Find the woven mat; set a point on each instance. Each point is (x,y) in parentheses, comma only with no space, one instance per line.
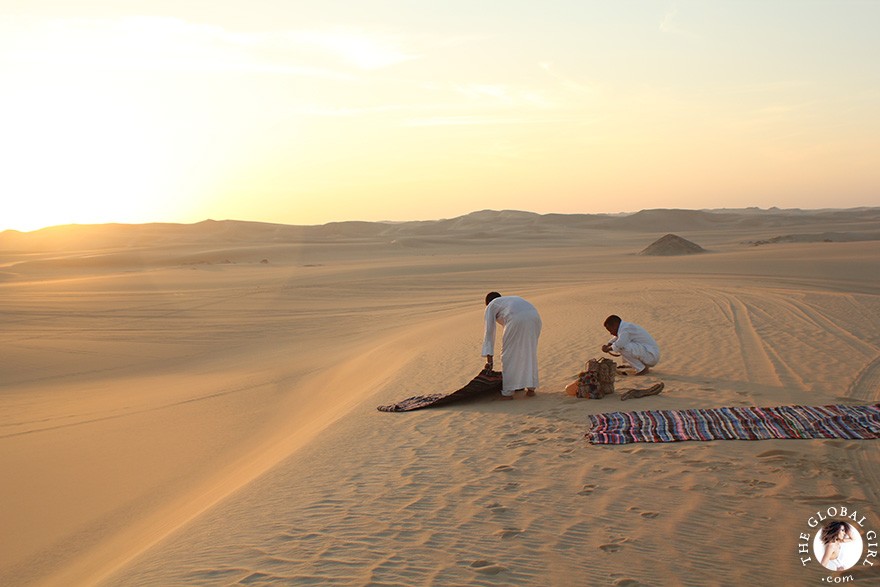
(749,423)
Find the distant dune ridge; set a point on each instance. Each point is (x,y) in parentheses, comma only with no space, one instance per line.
(672,244)
(825,237)
(848,225)
(195,404)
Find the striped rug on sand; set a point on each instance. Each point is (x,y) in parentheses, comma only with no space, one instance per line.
(749,423)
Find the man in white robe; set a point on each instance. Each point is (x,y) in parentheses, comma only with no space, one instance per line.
(632,343)
(519,343)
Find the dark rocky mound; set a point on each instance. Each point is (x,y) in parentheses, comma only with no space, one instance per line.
(670,245)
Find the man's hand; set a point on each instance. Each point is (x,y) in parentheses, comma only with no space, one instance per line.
(606,348)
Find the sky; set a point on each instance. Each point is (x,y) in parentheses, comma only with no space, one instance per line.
(307,112)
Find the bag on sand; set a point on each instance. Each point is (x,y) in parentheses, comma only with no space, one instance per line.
(597,379)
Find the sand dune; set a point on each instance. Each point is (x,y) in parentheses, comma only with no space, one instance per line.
(670,245)
(175,411)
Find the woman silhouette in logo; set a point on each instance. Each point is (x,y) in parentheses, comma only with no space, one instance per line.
(834,534)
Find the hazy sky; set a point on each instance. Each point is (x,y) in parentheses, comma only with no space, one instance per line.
(305,112)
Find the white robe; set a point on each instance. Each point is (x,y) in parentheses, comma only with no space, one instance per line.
(519,343)
(636,346)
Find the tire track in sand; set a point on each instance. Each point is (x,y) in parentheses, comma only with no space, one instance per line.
(759,365)
(822,321)
(866,387)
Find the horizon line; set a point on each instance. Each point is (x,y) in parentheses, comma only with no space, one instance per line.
(499,211)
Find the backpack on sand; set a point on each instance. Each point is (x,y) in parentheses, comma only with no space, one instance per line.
(597,379)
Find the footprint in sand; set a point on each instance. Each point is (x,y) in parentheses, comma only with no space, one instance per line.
(255,578)
(768,454)
(615,545)
(832,498)
(649,515)
(497,509)
(522,442)
(508,533)
(503,469)
(587,490)
(487,568)
(757,483)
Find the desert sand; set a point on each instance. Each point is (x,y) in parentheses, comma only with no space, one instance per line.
(196,404)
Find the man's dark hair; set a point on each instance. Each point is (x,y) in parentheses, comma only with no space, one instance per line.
(491,296)
(612,319)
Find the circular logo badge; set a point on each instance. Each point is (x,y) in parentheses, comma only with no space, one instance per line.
(837,545)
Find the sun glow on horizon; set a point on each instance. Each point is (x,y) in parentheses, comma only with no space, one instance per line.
(317,115)
(94,134)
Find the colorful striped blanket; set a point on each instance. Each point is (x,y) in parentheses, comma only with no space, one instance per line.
(750,423)
(486,383)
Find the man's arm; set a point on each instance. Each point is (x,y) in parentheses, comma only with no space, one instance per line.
(608,346)
(624,337)
(489,338)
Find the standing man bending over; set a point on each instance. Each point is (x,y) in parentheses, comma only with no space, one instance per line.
(633,343)
(519,343)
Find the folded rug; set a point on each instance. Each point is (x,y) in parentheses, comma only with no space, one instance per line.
(486,383)
(750,423)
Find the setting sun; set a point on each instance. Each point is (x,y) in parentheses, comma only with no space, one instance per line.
(87,145)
